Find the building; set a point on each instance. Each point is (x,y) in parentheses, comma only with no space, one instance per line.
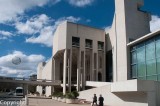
(123,62)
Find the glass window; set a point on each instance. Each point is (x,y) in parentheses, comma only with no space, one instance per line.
(75,41)
(134,57)
(158,65)
(134,71)
(100,45)
(158,77)
(154,77)
(158,48)
(141,54)
(151,67)
(88,43)
(141,69)
(150,49)
(142,78)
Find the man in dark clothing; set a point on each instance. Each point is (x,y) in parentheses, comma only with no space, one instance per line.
(94,100)
(101,99)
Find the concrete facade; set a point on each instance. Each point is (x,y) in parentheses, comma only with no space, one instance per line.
(83,56)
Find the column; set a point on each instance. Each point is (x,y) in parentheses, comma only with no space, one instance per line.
(25,88)
(70,70)
(64,71)
(92,64)
(78,70)
(97,67)
(104,66)
(83,71)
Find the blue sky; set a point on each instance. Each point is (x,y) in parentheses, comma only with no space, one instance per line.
(27,28)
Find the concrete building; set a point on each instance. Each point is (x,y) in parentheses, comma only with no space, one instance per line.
(123,63)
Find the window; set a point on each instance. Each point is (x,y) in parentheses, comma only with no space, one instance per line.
(100,45)
(75,41)
(145,59)
(88,43)
(150,49)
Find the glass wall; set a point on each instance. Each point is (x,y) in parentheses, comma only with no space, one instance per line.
(145,60)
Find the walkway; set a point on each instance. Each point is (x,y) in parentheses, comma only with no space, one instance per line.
(50,102)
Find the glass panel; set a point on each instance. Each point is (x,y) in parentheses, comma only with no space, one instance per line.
(151,67)
(158,65)
(142,78)
(75,41)
(133,48)
(141,69)
(134,57)
(154,77)
(150,50)
(100,45)
(88,43)
(158,77)
(141,54)
(158,48)
(134,71)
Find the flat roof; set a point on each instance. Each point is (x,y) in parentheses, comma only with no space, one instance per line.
(85,25)
(145,37)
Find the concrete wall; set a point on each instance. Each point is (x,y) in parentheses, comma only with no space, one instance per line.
(47,74)
(59,38)
(127,93)
(116,99)
(128,24)
(39,75)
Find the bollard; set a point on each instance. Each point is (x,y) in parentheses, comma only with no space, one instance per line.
(26,100)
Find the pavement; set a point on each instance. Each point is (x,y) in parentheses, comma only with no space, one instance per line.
(50,102)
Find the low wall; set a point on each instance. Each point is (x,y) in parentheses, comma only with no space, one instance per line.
(135,98)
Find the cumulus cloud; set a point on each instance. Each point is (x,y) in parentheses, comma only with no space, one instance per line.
(44,29)
(155,23)
(25,68)
(5,34)
(11,9)
(33,25)
(80,3)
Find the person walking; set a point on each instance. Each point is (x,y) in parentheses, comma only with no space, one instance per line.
(94,100)
(101,99)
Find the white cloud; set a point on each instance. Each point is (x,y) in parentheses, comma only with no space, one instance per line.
(33,25)
(155,23)
(11,9)
(28,64)
(45,37)
(47,31)
(5,34)
(81,3)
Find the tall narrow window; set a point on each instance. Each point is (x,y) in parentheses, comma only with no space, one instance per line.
(100,45)
(75,41)
(88,43)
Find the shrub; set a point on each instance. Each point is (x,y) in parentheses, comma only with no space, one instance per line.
(69,96)
(75,94)
(72,95)
(60,94)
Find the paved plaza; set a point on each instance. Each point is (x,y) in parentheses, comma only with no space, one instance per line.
(50,102)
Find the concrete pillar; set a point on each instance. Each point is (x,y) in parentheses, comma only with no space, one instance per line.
(93,70)
(83,71)
(70,70)
(26,100)
(78,70)
(64,71)
(97,63)
(25,89)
